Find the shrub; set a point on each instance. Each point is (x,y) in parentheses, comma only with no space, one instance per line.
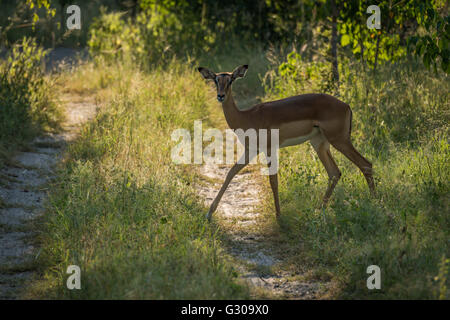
(156,35)
(296,76)
(111,36)
(26,104)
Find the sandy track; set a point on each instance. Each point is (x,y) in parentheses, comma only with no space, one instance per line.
(23,193)
(258,261)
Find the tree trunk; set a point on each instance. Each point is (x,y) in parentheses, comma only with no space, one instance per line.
(203,22)
(361,45)
(134,9)
(334,39)
(261,32)
(376,52)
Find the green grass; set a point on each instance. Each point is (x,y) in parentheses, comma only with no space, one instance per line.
(401,118)
(121,210)
(28,106)
(132,221)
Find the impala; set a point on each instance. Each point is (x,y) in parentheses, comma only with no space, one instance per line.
(319,118)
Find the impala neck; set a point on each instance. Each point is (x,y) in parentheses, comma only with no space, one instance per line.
(235,118)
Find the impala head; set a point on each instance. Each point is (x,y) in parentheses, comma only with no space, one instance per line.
(223,80)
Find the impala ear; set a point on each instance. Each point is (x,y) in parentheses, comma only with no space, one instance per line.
(206,73)
(240,71)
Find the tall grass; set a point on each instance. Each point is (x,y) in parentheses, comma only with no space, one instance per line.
(27,104)
(400,123)
(121,210)
(131,220)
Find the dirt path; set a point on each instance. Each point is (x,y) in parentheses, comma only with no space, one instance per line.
(257,257)
(22,197)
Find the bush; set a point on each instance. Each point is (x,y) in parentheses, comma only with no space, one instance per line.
(145,41)
(111,37)
(25,96)
(295,76)
(155,36)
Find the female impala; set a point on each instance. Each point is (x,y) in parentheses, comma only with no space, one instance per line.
(319,118)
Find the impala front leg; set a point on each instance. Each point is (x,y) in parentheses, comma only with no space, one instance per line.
(233,171)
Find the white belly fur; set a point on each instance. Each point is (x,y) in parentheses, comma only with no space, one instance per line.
(300,139)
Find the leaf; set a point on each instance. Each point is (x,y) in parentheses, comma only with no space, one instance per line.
(345,40)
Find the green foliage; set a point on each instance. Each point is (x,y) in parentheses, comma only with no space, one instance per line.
(25,98)
(150,38)
(363,44)
(443,292)
(122,211)
(400,123)
(132,220)
(403,104)
(377,45)
(434,46)
(111,37)
(387,111)
(46,21)
(295,76)
(38,4)
(21,14)
(404,231)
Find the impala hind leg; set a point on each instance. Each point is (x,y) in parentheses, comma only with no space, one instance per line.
(322,147)
(274,185)
(273,179)
(347,148)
